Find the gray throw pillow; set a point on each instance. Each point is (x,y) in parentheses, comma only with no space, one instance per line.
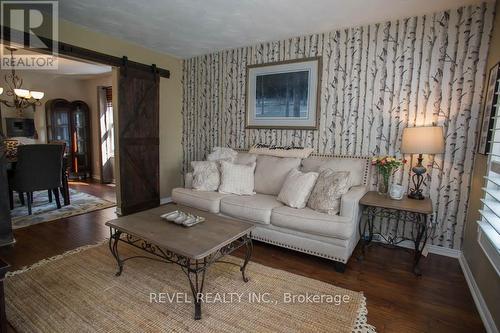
(329,188)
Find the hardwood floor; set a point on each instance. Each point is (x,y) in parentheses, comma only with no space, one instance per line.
(398,301)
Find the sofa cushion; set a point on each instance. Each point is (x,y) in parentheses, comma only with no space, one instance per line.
(204,200)
(271,172)
(245,158)
(312,222)
(255,208)
(356,166)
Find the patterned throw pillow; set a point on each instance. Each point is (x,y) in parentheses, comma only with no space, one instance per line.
(290,151)
(297,188)
(205,176)
(237,178)
(329,188)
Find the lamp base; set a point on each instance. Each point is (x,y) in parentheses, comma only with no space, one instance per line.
(418,180)
(416,195)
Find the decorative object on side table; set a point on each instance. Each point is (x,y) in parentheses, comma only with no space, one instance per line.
(406,213)
(397,191)
(386,166)
(284,94)
(421,140)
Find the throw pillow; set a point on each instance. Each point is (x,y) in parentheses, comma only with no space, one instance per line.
(245,158)
(271,172)
(205,176)
(237,178)
(329,188)
(288,151)
(297,188)
(222,154)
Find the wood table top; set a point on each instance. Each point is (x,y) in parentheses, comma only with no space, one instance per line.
(374,199)
(196,242)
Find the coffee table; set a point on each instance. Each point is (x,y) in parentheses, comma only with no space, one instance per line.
(194,249)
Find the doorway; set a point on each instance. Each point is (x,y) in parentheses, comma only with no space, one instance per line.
(135,123)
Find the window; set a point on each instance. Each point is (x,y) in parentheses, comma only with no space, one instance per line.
(489,225)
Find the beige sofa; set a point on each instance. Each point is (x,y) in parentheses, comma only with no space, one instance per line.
(305,230)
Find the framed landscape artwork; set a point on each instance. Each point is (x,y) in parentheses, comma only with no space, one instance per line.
(489,111)
(284,94)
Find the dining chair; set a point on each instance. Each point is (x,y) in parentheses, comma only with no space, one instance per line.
(64,189)
(39,167)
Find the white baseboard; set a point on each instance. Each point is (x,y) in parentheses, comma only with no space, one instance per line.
(165,200)
(481,306)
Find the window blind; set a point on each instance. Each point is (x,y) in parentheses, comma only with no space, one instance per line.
(489,224)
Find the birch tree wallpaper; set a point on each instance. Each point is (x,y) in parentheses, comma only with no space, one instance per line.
(376,80)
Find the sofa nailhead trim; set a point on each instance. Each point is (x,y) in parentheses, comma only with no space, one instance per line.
(298,249)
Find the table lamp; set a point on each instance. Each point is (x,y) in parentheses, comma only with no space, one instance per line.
(421,140)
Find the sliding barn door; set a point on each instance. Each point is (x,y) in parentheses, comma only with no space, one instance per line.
(138,141)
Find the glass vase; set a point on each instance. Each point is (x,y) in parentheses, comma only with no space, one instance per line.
(383,182)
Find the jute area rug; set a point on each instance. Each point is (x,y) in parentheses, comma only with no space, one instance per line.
(79,292)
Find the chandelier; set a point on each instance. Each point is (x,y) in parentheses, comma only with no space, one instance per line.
(20,98)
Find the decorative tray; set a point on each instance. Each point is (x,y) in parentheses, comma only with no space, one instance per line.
(182,218)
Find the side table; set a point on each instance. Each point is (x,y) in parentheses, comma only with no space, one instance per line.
(411,216)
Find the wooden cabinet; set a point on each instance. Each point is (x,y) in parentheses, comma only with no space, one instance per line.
(70,122)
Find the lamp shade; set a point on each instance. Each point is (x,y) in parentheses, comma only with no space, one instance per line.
(423,140)
(37,94)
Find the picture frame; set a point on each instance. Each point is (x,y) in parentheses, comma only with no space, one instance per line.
(489,110)
(284,95)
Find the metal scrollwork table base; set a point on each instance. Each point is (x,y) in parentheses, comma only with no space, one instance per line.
(412,217)
(173,244)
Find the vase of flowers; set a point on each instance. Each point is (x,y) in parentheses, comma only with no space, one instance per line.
(386,167)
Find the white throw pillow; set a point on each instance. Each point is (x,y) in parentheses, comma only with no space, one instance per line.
(237,178)
(297,188)
(222,154)
(330,187)
(205,176)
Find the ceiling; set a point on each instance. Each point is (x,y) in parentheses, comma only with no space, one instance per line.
(185,28)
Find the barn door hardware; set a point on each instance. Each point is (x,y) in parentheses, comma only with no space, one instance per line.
(124,65)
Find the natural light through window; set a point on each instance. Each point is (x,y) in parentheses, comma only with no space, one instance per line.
(489,225)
